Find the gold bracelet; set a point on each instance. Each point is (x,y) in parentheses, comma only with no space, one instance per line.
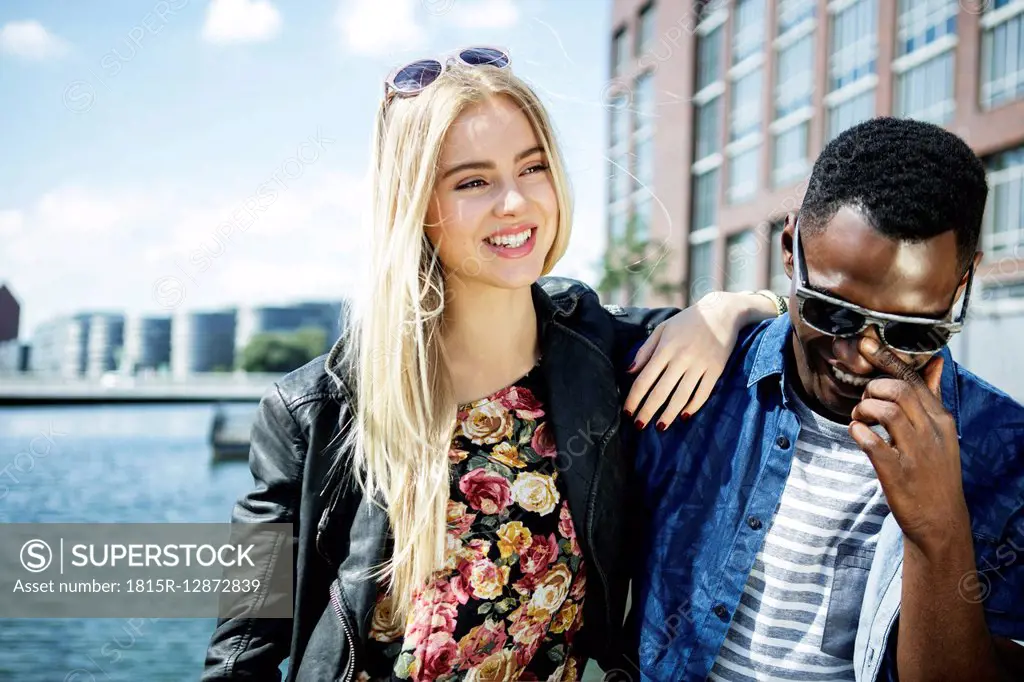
(781,307)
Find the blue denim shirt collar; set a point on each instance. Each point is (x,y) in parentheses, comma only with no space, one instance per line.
(770,359)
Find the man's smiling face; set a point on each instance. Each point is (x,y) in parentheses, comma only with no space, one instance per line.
(849,259)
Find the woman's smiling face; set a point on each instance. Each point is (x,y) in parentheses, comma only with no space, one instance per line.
(494,211)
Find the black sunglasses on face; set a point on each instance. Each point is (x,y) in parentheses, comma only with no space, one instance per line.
(903,333)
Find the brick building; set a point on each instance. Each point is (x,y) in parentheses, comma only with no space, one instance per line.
(717,109)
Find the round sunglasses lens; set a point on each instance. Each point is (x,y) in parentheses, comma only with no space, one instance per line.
(915,338)
(418,75)
(831,319)
(484,56)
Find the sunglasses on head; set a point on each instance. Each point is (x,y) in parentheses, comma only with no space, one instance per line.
(412,78)
(903,333)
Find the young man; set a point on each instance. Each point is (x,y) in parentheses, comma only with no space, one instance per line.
(849,504)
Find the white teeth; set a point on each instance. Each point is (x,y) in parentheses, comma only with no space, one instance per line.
(511,240)
(860,382)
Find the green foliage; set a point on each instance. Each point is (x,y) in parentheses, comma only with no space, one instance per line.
(634,265)
(282,351)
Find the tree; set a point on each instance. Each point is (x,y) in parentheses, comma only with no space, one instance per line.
(634,265)
(282,351)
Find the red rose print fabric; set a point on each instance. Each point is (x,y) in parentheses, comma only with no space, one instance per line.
(510,598)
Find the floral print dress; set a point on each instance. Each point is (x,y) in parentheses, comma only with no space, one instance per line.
(509,600)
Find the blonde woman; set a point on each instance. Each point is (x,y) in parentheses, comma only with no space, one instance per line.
(453,470)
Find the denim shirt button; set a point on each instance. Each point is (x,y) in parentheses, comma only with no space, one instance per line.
(721,612)
(754,522)
(782,442)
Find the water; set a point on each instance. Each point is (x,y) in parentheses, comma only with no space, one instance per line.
(140,464)
(145,463)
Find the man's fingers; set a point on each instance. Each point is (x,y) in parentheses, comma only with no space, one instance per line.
(646,350)
(901,393)
(884,457)
(932,374)
(888,414)
(885,360)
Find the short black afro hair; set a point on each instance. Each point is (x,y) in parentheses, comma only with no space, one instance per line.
(911,180)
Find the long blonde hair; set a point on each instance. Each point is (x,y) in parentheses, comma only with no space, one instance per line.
(405,411)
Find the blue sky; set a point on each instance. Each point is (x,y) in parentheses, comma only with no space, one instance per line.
(135,134)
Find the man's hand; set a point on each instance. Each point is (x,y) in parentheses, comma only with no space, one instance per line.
(920,470)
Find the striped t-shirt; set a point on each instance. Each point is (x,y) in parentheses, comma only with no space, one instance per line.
(798,614)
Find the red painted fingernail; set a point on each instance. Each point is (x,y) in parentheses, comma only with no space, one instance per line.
(662,426)
(686,415)
(631,367)
(638,424)
(629,413)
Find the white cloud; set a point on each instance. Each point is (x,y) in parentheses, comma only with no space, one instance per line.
(484,14)
(241,21)
(11,223)
(377,27)
(77,209)
(30,40)
(110,248)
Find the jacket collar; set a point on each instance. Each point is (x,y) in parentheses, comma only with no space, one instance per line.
(770,361)
(552,297)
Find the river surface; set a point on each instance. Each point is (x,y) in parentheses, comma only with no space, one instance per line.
(145,463)
(111,464)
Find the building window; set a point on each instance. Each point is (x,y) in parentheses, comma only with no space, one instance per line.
(853,48)
(709,58)
(923,22)
(778,281)
(705,200)
(791,13)
(741,261)
(854,43)
(619,120)
(925,91)
(645,29)
(925,41)
(619,180)
(643,101)
(743,168)
(709,129)
(790,154)
(745,136)
(794,91)
(642,215)
(617,224)
(619,51)
(850,112)
(701,269)
(748,29)
(643,132)
(1003,226)
(1002,53)
(794,82)
(745,117)
(644,160)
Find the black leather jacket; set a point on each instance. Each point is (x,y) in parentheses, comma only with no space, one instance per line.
(339,535)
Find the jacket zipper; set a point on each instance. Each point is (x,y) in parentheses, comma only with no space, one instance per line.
(350,665)
(590,535)
(593,491)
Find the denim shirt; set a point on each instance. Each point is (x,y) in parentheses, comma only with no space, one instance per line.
(712,485)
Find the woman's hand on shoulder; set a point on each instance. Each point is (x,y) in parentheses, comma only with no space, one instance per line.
(684,356)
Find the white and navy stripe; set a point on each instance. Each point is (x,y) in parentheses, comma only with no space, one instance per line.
(832,497)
